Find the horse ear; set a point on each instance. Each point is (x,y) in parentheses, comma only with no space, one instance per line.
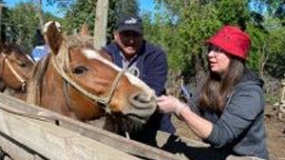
(53,36)
(1,46)
(84,30)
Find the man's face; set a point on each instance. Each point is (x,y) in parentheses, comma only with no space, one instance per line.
(130,42)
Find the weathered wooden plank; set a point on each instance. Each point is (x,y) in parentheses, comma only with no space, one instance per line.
(115,141)
(54,142)
(16,150)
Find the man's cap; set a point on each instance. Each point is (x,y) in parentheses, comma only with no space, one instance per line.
(130,23)
(233,40)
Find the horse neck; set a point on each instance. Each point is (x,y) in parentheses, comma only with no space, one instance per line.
(1,66)
(48,86)
(2,86)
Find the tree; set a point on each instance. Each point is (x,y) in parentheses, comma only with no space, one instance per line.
(40,13)
(1,10)
(21,27)
(101,21)
(190,23)
(84,11)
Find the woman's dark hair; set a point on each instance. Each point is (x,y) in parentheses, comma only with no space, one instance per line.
(39,38)
(214,92)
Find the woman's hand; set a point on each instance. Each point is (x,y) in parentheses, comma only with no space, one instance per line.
(170,104)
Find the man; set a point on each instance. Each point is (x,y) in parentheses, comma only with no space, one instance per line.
(146,61)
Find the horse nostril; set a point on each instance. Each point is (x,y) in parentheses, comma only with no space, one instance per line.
(141,100)
(142,97)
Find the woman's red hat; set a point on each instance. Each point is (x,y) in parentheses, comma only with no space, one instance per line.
(233,40)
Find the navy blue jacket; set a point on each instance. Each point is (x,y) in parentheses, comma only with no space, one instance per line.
(240,130)
(151,61)
(152,64)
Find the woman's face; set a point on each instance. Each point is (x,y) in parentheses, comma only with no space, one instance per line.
(218,59)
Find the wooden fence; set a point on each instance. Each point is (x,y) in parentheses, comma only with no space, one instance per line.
(28,132)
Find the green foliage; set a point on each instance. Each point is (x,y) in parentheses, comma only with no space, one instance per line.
(21,22)
(179,27)
(195,21)
(79,13)
(84,12)
(258,46)
(276,63)
(19,26)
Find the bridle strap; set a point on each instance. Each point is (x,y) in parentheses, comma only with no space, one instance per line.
(15,73)
(1,67)
(101,100)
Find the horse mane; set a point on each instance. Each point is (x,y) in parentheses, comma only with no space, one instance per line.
(10,47)
(38,72)
(79,40)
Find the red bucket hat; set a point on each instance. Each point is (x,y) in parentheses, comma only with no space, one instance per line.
(233,40)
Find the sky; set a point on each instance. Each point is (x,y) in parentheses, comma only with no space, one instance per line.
(145,5)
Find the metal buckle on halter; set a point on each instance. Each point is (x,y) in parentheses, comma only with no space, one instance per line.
(104,104)
(24,84)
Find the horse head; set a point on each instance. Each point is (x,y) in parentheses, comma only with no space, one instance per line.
(15,66)
(94,83)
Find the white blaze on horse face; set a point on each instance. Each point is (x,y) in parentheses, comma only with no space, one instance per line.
(91,54)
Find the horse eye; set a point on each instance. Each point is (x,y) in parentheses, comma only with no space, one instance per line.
(80,70)
(22,64)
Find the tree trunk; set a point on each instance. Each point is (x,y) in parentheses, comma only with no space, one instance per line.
(1,6)
(101,19)
(263,59)
(40,14)
(199,71)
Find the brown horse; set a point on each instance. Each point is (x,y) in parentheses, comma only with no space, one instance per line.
(15,67)
(75,80)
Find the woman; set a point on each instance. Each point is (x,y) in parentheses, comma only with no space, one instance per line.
(228,111)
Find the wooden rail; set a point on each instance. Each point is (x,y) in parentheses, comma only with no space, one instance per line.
(25,115)
(49,141)
(48,135)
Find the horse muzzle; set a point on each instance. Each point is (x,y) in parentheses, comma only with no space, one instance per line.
(141,107)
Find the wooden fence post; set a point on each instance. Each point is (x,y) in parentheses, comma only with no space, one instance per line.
(101,20)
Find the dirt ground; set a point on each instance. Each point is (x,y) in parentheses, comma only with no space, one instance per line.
(275,133)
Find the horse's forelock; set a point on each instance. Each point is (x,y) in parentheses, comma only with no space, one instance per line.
(79,41)
(16,48)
